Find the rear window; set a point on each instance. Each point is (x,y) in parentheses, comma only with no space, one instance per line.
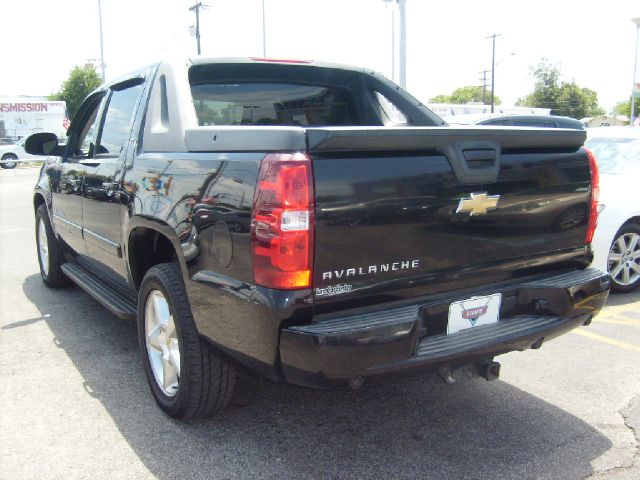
(531,123)
(286,104)
(501,123)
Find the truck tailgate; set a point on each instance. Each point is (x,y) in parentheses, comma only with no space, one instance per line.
(396,218)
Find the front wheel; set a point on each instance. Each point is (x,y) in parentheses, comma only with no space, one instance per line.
(9,161)
(624,259)
(186,378)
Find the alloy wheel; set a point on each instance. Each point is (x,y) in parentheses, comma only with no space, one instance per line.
(9,161)
(43,247)
(162,343)
(624,259)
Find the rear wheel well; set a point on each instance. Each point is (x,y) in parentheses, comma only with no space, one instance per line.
(147,248)
(635,220)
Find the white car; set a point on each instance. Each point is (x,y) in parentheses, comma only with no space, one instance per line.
(10,154)
(616,241)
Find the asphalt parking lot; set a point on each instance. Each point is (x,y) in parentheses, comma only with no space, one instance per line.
(74,403)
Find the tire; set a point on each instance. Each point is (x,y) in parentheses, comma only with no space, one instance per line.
(9,161)
(50,253)
(197,382)
(624,259)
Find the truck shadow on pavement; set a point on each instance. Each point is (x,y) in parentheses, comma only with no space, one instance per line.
(419,429)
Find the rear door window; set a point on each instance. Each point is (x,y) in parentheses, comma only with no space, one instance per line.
(285,104)
(118,120)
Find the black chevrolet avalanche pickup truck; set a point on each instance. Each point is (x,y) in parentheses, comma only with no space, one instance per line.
(312,224)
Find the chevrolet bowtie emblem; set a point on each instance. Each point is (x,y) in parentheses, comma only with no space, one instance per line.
(478,204)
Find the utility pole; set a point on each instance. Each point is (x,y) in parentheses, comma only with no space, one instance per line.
(393,45)
(402,9)
(484,86)
(264,33)
(196,8)
(102,64)
(493,69)
(392,5)
(402,4)
(571,102)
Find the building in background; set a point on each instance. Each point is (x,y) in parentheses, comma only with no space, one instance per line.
(448,109)
(606,121)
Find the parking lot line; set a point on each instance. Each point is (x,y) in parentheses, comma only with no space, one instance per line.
(618,318)
(618,321)
(610,341)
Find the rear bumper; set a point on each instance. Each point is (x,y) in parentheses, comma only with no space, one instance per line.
(386,345)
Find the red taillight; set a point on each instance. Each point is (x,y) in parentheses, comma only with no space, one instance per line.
(282,222)
(595,196)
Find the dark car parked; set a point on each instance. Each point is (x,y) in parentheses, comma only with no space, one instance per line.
(515,120)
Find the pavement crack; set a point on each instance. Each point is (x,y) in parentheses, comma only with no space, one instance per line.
(631,419)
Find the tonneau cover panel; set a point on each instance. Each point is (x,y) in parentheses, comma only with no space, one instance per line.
(389,222)
(419,138)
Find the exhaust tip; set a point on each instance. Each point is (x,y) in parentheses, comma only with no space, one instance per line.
(489,370)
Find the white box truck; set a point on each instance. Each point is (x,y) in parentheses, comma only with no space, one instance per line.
(22,116)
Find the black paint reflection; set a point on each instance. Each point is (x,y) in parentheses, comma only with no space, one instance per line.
(371,208)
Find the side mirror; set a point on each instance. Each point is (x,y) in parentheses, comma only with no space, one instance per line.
(43,144)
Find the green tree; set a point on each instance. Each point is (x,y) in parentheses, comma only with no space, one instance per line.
(468,94)
(546,91)
(440,99)
(563,98)
(624,108)
(81,82)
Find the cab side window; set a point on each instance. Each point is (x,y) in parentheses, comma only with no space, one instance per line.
(85,129)
(118,120)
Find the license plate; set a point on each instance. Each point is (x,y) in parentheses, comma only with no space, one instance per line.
(473,312)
